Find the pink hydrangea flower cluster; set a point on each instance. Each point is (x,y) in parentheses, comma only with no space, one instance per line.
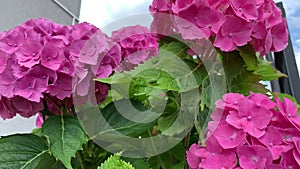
(137,43)
(40,61)
(229,23)
(250,132)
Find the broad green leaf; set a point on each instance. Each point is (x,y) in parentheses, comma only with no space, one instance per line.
(65,136)
(233,64)
(248,54)
(126,117)
(137,162)
(174,46)
(178,166)
(167,70)
(267,71)
(177,154)
(114,162)
(247,82)
(213,88)
(164,123)
(24,152)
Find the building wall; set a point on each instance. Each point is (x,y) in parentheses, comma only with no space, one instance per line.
(15,12)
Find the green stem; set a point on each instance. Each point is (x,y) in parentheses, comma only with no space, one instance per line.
(80,160)
(186,144)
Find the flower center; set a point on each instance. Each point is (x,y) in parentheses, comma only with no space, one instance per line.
(249,118)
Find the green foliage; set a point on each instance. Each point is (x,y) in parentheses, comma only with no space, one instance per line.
(91,156)
(267,72)
(138,162)
(115,122)
(246,82)
(25,152)
(65,136)
(171,159)
(114,162)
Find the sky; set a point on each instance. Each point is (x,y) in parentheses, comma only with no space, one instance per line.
(102,13)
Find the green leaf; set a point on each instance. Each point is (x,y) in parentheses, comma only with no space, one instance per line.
(170,159)
(65,136)
(247,82)
(267,71)
(175,47)
(114,162)
(24,152)
(213,88)
(137,163)
(248,54)
(233,64)
(164,123)
(115,122)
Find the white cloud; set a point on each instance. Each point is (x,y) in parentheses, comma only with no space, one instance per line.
(102,12)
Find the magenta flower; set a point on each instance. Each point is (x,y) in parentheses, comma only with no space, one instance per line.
(31,88)
(245,9)
(226,159)
(12,40)
(251,118)
(220,5)
(92,48)
(279,35)
(228,136)
(259,31)
(289,110)
(160,5)
(7,82)
(61,87)
(288,160)
(197,20)
(137,43)
(5,110)
(52,56)
(296,151)
(3,58)
(29,53)
(39,120)
(288,134)
(262,100)
(273,141)
(233,33)
(26,108)
(192,159)
(254,157)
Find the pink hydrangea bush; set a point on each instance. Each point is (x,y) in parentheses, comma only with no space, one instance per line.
(44,63)
(228,23)
(250,132)
(39,60)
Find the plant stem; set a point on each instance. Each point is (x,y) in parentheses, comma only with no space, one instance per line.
(186,144)
(80,160)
